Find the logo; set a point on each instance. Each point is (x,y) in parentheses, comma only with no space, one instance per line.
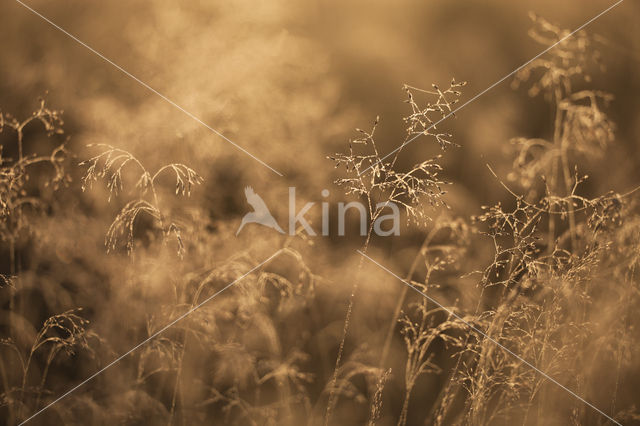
(260,213)
(383,224)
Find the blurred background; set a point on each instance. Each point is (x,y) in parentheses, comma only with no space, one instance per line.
(290,81)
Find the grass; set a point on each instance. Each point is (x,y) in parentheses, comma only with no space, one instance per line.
(550,272)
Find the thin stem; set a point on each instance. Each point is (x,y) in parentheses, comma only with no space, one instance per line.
(401,298)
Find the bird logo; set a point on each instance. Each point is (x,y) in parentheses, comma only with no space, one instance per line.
(260,213)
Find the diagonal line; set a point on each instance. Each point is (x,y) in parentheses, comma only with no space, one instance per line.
(581,27)
(127,73)
(163,329)
(491,339)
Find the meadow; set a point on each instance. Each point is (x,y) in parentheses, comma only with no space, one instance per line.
(509,295)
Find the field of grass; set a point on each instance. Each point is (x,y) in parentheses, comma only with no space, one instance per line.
(510,296)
